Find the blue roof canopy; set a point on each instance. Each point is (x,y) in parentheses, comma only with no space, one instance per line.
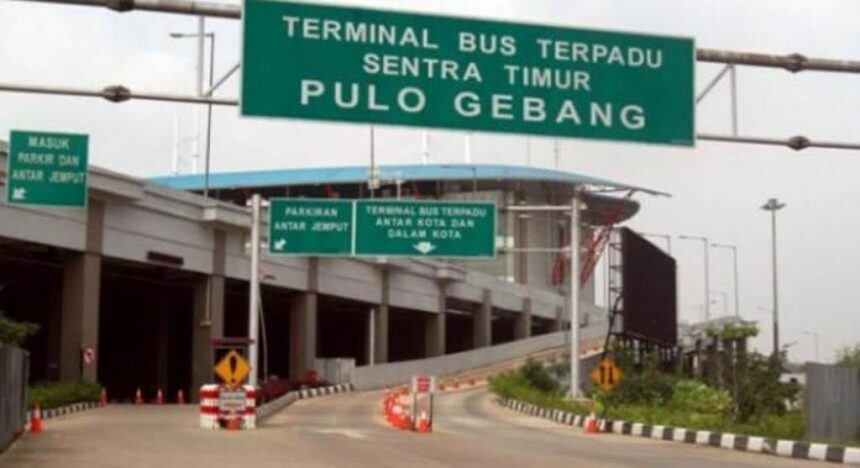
(359,174)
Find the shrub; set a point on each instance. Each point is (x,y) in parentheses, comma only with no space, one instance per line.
(56,394)
(695,396)
(539,377)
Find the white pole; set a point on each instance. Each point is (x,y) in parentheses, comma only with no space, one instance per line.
(201,30)
(467,156)
(574,295)
(254,290)
(425,147)
(174,163)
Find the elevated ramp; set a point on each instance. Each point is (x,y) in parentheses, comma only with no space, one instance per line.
(381,375)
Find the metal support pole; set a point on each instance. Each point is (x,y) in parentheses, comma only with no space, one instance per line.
(707,273)
(201,39)
(574,295)
(737,293)
(734,90)
(209,118)
(775,293)
(254,289)
(773,205)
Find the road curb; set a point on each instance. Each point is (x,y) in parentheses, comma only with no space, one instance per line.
(725,440)
(64,410)
(272,407)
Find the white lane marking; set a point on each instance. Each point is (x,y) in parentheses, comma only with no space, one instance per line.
(351,433)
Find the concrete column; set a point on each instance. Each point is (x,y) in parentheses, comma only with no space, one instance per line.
(482,322)
(208,321)
(303,325)
(80,302)
(161,316)
(435,330)
(558,324)
(380,323)
(523,325)
(303,339)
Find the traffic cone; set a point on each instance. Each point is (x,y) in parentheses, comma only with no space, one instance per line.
(591,424)
(36,425)
(103,400)
(424,425)
(180,397)
(159,398)
(138,397)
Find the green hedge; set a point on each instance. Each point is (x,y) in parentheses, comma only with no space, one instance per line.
(54,395)
(689,404)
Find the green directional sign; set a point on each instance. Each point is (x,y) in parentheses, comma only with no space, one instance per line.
(425,229)
(310,227)
(47,169)
(346,64)
(316,227)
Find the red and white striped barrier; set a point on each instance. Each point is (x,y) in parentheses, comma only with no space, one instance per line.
(209,395)
(249,419)
(210,408)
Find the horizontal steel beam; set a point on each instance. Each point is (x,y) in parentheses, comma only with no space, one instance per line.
(116,93)
(120,93)
(181,7)
(791,62)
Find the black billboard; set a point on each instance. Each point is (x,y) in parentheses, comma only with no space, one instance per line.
(650,311)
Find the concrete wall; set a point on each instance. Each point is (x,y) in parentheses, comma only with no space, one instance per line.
(369,377)
(832,402)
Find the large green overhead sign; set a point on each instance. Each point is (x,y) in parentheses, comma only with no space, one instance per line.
(382,228)
(358,65)
(47,169)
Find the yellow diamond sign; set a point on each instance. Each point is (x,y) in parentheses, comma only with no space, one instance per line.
(606,375)
(232,368)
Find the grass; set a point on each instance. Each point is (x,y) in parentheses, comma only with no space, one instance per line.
(57,394)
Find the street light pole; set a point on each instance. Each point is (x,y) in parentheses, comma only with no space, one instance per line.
(707,274)
(574,295)
(773,205)
(734,250)
(201,35)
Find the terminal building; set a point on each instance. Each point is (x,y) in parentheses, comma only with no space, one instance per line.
(151,271)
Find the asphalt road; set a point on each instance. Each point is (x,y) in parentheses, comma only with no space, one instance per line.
(348,430)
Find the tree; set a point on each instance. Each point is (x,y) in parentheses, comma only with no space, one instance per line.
(849,356)
(13,332)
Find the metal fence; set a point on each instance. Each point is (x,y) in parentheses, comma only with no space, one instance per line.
(14,370)
(832,402)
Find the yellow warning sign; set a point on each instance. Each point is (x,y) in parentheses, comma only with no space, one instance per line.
(232,368)
(606,375)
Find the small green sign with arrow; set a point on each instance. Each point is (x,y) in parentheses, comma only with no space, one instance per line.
(48,169)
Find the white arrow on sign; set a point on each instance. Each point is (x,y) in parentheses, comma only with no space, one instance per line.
(280,244)
(424,247)
(19,193)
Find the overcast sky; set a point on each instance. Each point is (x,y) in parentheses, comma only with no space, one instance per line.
(717,188)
